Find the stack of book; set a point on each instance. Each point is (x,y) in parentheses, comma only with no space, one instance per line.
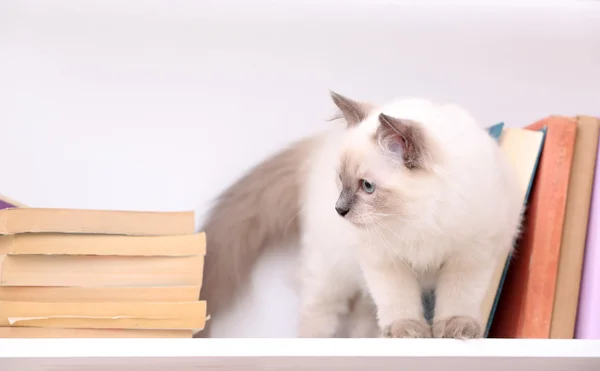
(549,287)
(99,273)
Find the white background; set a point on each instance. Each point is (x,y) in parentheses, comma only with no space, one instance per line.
(159,105)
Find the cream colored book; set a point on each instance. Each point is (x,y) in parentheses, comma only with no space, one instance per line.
(83,333)
(110,315)
(38,220)
(99,271)
(96,244)
(99,294)
(522,148)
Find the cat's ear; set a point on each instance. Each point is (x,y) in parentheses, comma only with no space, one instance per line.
(403,138)
(353,111)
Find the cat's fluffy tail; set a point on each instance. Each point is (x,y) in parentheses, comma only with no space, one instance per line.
(259,211)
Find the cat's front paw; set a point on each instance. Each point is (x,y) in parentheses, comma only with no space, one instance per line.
(407,328)
(458,327)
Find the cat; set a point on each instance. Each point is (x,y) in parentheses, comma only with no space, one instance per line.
(394,201)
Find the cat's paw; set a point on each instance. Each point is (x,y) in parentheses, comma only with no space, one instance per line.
(407,328)
(459,327)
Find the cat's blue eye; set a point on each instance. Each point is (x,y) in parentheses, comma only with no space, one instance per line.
(367,186)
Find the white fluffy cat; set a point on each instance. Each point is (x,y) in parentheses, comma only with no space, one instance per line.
(400,199)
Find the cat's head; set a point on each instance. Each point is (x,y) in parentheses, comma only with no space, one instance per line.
(386,165)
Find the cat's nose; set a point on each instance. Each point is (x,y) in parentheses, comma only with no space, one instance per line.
(342,210)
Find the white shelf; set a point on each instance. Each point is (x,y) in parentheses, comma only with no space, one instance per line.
(298,354)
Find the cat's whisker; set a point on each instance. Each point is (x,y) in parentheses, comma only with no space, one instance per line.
(379,234)
(388,228)
(387,214)
(389,247)
(392,246)
(390,216)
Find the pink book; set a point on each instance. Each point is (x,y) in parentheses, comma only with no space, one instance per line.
(588,312)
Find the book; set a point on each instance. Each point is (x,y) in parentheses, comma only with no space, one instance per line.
(94,294)
(522,148)
(496,130)
(588,311)
(7,203)
(572,247)
(100,244)
(111,315)
(39,220)
(95,271)
(526,301)
(79,333)
(100,273)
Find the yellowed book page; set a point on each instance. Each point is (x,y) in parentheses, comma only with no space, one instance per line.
(572,248)
(120,315)
(76,333)
(90,244)
(95,271)
(95,294)
(38,220)
(521,147)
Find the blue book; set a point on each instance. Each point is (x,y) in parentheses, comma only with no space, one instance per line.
(496,130)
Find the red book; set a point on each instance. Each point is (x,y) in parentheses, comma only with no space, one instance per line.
(527,299)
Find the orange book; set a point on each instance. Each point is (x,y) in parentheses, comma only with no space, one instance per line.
(526,303)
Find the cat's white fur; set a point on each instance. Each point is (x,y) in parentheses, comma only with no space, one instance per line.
(452,211)
(451,230)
